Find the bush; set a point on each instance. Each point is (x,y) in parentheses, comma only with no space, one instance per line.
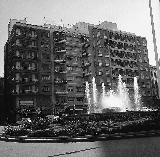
(16,131)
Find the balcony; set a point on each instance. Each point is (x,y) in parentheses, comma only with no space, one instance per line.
(87,64)
(61,71)
(61,41)
(61,92)
(32,68)
(59,50)
(59,60)
(87,73)
(60,81)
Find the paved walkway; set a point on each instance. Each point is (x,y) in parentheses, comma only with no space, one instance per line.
(140,147)
(1,129)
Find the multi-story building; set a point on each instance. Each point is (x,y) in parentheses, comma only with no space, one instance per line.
(68,72)
(46,67)
(28,67)
(2,105)
(116,52)
(43,69)
(154,84)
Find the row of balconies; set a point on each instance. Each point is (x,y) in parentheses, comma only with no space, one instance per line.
(87,63)
(25,56)
(123,72)
(122,54)
(122,37)
(20,43)
(59,91)
(87,73)
(60,60)
(61,71)
(120,45)
(31,33)
(19,32)
(24,68)
(124,63)
(25,91)
(59,81)
(26,80)
(128,38)
(60,50)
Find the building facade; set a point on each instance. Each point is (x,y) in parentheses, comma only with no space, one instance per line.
(43,69)
(154,82)
(116,52)
(46,67)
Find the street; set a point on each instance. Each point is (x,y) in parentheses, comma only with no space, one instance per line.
(140,147)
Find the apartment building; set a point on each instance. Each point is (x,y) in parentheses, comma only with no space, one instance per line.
(116,52)
(154,81)
(43,69)
(46,67)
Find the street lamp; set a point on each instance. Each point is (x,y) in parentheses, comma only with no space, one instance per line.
(155,47)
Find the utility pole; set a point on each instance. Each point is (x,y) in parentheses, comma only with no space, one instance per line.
(155,47)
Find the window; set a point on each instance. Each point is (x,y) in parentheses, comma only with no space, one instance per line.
(100,54)
(33,34)
(18,42)
(70,89)
(17,53)
(34,89)
(33,43)
(70,99)
(98,42)
(18,31)
(45,56)
(17,76)
(44,44)
(98,34)
(46,77)
(30,55)
(107,61)
(46,89)
(100,72)
(69,68)
(32,66)
(80,99)
(70,78)
(46,67)
(18,65)
(80,89)
(100,62)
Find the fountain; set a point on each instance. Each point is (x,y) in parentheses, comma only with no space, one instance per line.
(87,91)
(94,91)
(114,100)
(103,91)
(119,100)
(137,96)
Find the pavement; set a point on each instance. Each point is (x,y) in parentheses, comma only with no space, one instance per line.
(132,147)
(1,129)
(136,147)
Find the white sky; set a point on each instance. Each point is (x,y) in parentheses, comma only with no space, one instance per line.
(130,15)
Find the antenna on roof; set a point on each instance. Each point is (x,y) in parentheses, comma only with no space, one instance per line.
(44,20)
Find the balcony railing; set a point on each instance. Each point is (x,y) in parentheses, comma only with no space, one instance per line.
(87,73)
(61,92)
(87,64)
(61,41)
(60,60)
(60,81)
(63,50)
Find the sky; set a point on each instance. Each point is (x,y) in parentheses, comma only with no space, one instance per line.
(130,15)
